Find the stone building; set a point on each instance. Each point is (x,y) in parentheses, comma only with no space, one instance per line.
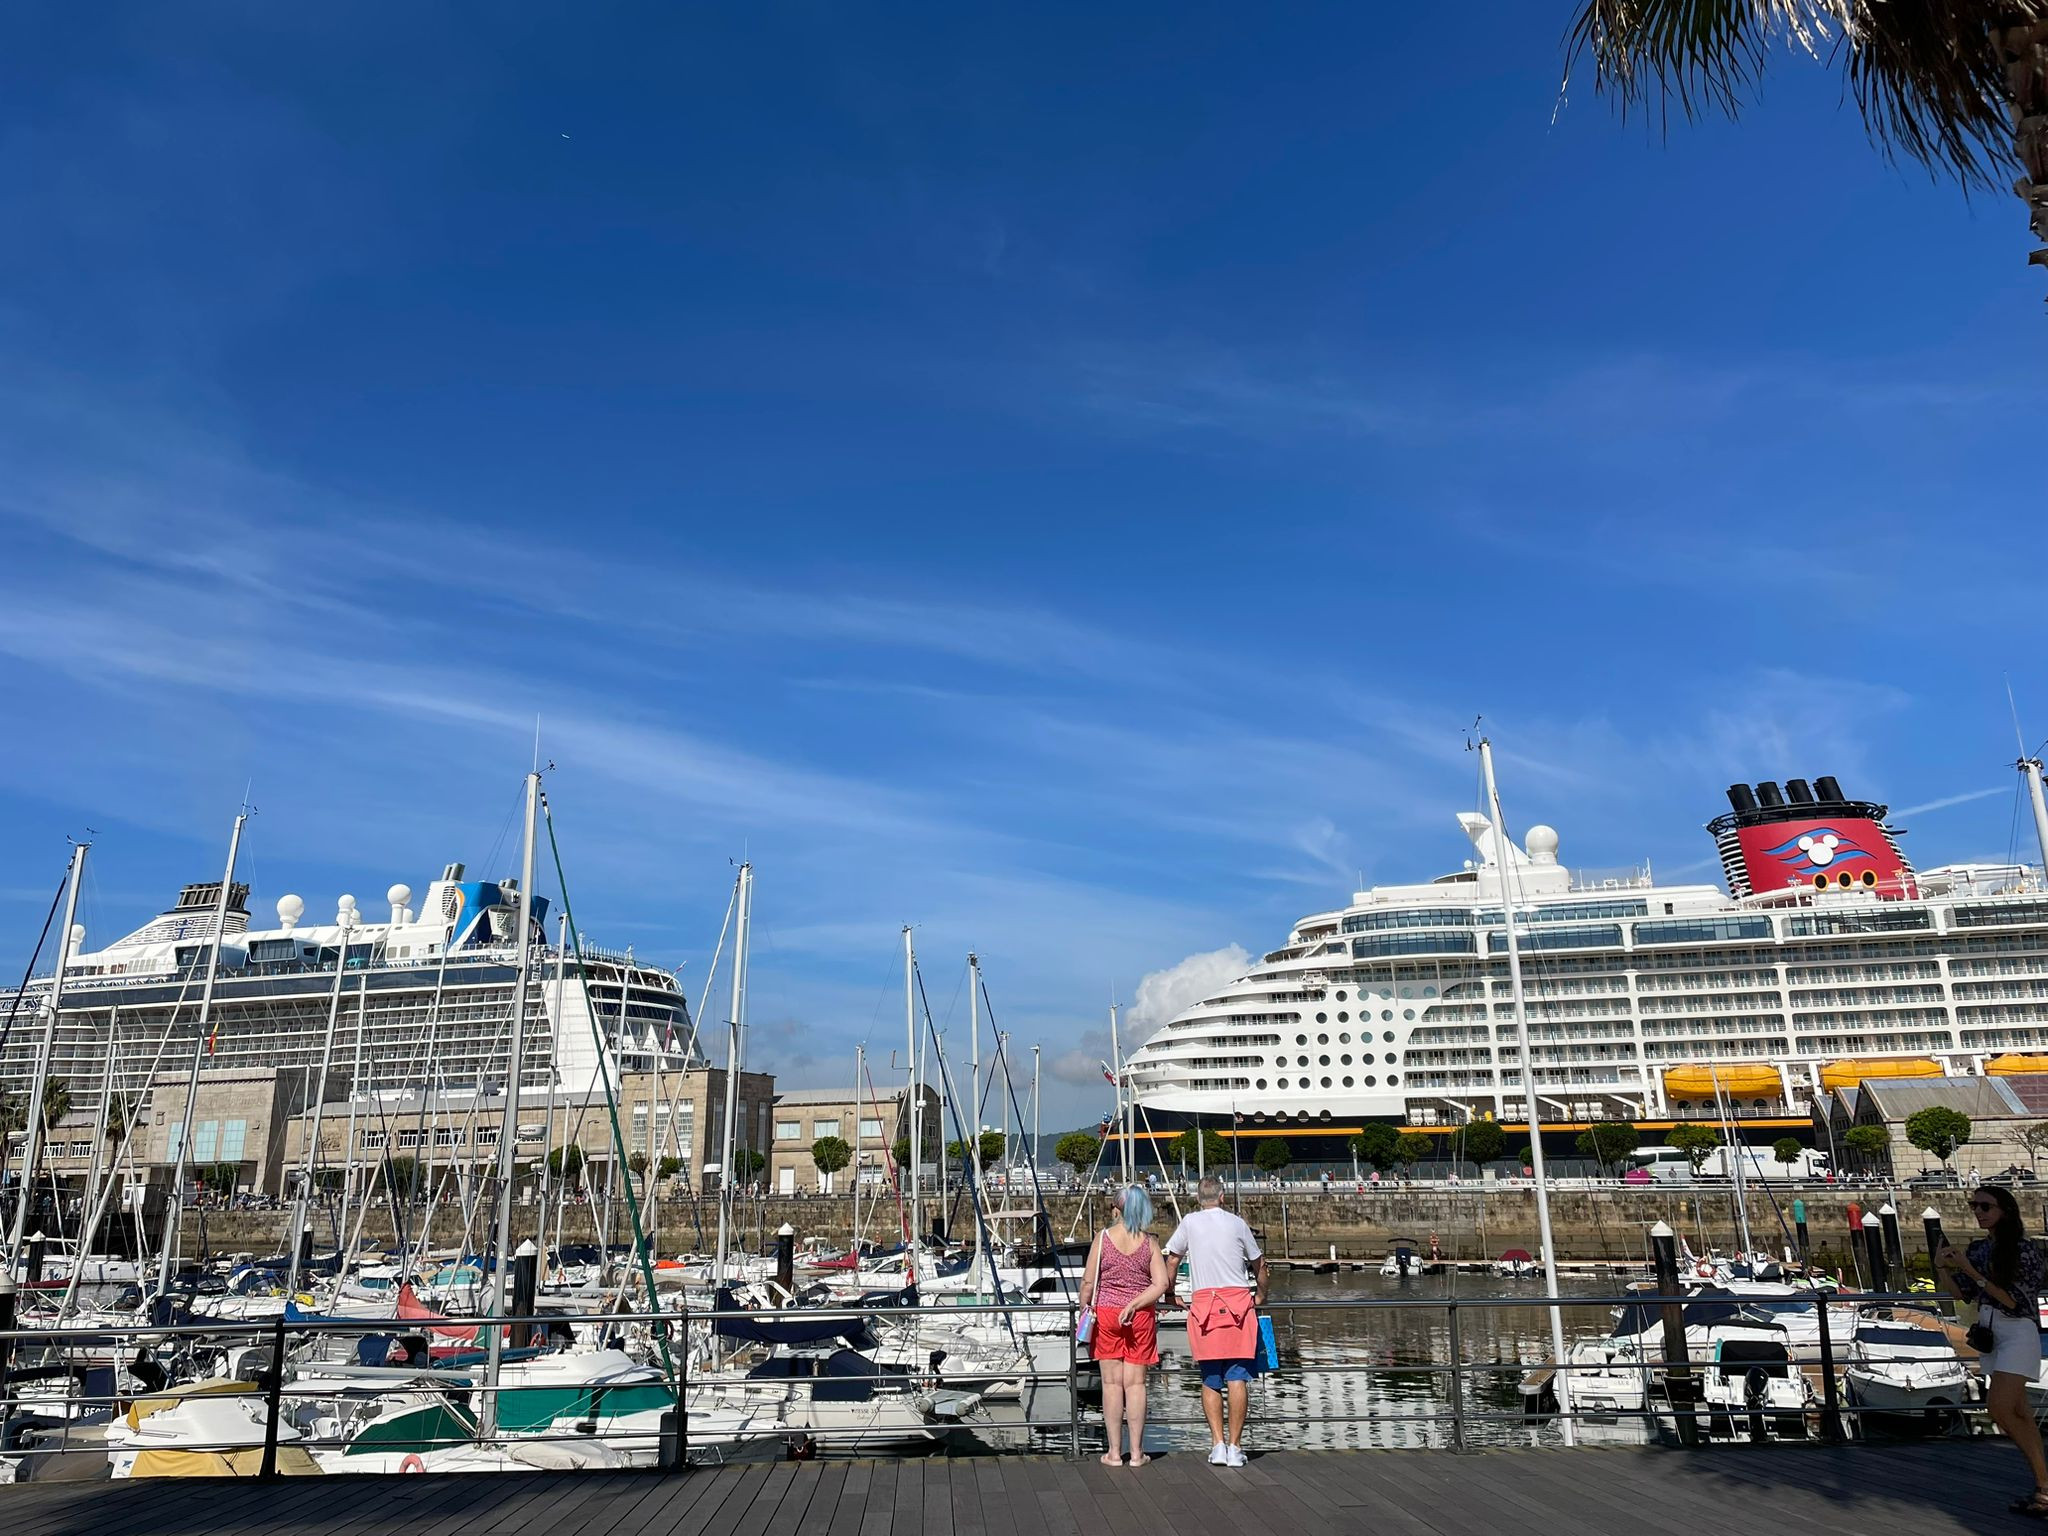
(869,1127)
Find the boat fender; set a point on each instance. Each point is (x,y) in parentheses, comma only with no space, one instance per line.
(1704,1270)
(412,1463)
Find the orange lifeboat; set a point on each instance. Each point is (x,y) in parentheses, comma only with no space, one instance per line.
(2011,1066)
(1848,1073)
(1741,1079)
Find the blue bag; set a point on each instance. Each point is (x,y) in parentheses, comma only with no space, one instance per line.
(1269,1346)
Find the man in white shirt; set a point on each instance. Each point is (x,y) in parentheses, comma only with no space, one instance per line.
(1226,1287)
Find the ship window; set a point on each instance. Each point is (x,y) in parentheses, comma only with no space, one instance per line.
(1344,1039)
(1262,1082)
(1322,1061)
(1346,1060)
(1322,1018)
(1367,1058)
(1688,930)
(1301,1039)
(1392,1058)
(1388,1036)
(1326,1083)
(1406,1013)
(1343,1018)
(1347,1082)
(1340,997)
(1322,1039)
(1392,1080)
(1386,1013)
(1371,1081)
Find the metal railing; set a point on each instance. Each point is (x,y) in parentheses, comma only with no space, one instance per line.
(1704,1402)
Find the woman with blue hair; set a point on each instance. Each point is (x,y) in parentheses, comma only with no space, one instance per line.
(1120,1289)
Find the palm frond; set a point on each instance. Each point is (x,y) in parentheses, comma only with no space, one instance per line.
(1930,77)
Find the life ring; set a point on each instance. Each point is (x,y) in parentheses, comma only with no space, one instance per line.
(412,1463)
(1704,1270)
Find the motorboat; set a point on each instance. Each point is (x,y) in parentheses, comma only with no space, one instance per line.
(1901,1365)
(1751,1388)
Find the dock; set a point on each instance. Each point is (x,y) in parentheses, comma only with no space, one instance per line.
(1930,1489)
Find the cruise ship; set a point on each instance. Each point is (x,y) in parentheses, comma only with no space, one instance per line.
(1827,959)
(428,991)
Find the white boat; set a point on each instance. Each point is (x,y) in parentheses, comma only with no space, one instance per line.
(1751,1387)
(1903,1364)
(216,1430)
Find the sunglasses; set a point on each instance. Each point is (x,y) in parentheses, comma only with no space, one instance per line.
(1983,1205)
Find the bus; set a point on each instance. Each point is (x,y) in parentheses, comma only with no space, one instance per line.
(1670,1165)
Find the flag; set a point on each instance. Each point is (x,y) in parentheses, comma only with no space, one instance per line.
(1108,1076)
(213,1039)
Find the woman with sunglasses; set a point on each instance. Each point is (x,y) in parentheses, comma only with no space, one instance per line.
(2001,1273)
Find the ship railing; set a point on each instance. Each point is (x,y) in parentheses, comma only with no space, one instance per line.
(1630,877)
(1336,1380)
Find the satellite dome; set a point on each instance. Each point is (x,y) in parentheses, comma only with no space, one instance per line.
(1542,844)
(345,915)
(77,936)
(289,910)
(398,895)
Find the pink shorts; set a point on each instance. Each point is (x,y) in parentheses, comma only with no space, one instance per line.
(1136,1341)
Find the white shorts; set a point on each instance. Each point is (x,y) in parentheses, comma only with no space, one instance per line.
(2016,1347)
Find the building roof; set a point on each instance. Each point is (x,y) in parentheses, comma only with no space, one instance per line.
(1981,1098)
(2031,1089)
(797,1098)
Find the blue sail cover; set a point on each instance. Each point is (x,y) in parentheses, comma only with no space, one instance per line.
(851,1330)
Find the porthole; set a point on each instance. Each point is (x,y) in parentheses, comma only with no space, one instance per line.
(1388,1036)
(1408,1014)
(1347,1082)
(1322,1018)
(1346,1060)
(1344,1039)
(1371,1082)
(1326,1082)
(1392,1058)
(1301,1039)
(1262,1082)
(1322,1039)
(1323,1061)
(1341,996)
(1386,1013)
(1391,1080)
(1325,1114)
(1343,1018)
(1367,1058)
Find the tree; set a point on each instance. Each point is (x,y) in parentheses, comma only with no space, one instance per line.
(1377,1145)
(566,1163)
(668,1167)
(1785,1150)
(829,1154)
(1078,1150)
(900,1150)
(1870,1143)
(218,1177)
(1944,84)
(1525,1155)
(991,1146)
(637,1163)
(399,1172)
(2035,1139)
(121,1111)
(1939,1130)
(1607,1142)
(746,1162)
(1410,1148)
(1215,1151)
(1273,1155)
(56,1100)
(1697,1142)
(1483,1141)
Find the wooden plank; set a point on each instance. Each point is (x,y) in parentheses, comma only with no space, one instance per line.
(853,1500)
(907,1502)
(878,1519)
(824,1504)
(720,1484)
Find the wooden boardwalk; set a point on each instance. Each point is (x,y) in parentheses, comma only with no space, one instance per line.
(1925,1490)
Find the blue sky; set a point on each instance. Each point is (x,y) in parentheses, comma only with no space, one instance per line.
(1067,481)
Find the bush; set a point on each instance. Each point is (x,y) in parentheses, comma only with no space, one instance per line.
(1077,1149)
(1273,1155)
(1377,1146)
(1482,1141)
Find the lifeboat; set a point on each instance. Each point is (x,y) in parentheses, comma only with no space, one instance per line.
(2010,1066)
(1698,1080)
(1850,1072)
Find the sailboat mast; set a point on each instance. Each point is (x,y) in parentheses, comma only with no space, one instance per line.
(913,1110)
(1500,859)
(32,1148)
(174,1235)
(547,1145)
(742,922)
(1123,1130)
(508,1129)
(2031,767)
(1034,1114)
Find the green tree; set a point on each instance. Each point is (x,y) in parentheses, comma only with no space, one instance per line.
(2035,1139)
(1377,1145)
(637,1163)
(1525,1156)
(218,1177)
(991,1147)
(1785,1150)
(1608,1142)
(1697,1142)
(1870,1143)
(121,1111)
(1483,1141)
(56,1100)
(1939,1130)
(1410,1148)
(829,1154)
(668,1167)
(566,1164)
(1273,1155)
(1215,1151)
(1078,1150)
(900,1150)
(1932,82)
(746,1162)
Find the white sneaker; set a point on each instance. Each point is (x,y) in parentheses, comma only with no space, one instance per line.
(1219,1455)
(1233,1456)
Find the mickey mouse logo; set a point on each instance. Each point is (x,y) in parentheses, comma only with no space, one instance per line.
(1820,851)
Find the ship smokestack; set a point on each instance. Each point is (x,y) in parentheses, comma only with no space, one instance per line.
(1741,798)
(1797,792)
(1768,797)
(1829,792)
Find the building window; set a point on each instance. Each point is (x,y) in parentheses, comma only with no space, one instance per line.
(233,1134)
(789,1130)
(871,1130)
(205,1138)
(823,1128)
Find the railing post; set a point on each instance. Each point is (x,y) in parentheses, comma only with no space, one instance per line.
(1457,1381)
(1831,1429)
(1073,1381)
(273,1392)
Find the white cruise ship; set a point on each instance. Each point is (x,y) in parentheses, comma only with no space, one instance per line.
(1828,959)
(429,991)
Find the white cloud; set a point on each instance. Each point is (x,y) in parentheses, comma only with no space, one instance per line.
(1162,994)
